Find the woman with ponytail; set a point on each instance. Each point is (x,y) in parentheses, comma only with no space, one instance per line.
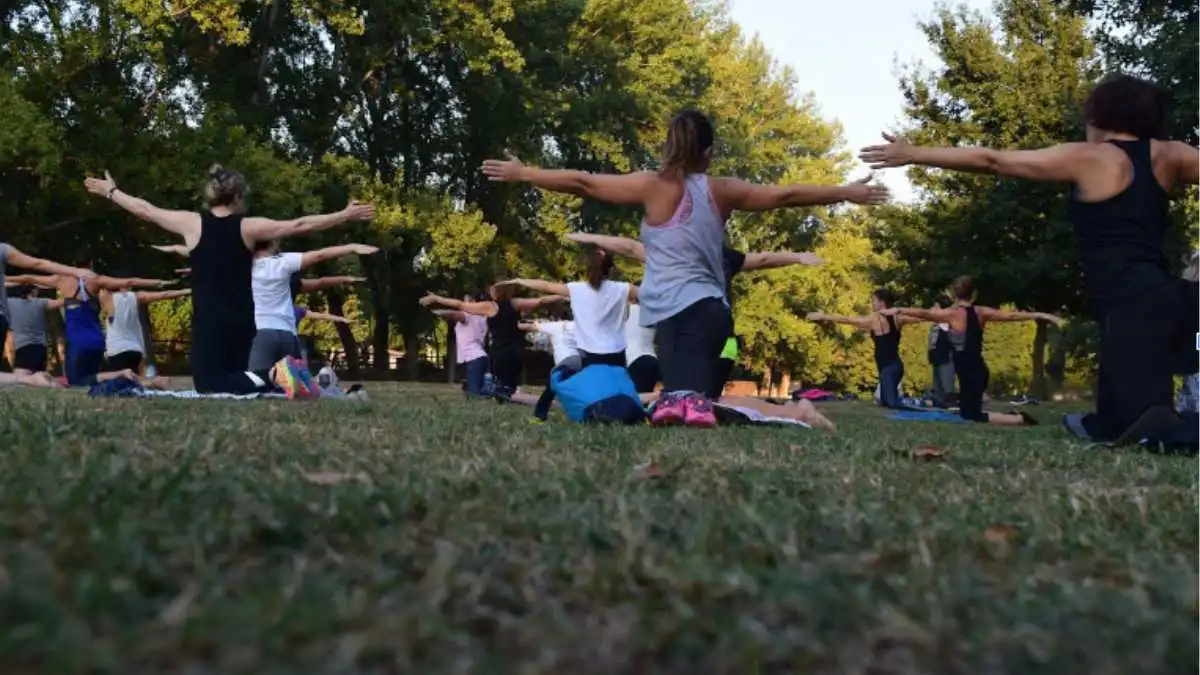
(683,231)
(599,306)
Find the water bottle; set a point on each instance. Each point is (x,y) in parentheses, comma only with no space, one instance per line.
(489,386)
(151,371)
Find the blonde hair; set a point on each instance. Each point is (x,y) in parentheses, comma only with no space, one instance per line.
(224,186)
(690,136)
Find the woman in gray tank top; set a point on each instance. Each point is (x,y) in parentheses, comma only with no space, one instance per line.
(683,231)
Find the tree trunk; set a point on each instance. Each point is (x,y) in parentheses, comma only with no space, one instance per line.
(766,383)
(412,357)
(337,306)
(1039,361)
(785,385)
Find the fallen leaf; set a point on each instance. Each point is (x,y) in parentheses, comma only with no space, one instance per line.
(650,471)
(1001,533)
(334,478)
(927,453)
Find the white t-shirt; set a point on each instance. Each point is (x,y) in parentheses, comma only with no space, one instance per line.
(599,315)
(270,279)
(639,341)
(562,339)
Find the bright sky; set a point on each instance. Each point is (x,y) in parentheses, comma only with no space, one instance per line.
(846,53)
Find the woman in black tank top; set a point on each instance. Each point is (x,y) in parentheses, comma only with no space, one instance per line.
(885,333)
(219,242)
(966,338)
(1120,182)
(503,313)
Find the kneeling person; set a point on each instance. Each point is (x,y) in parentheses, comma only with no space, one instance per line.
(598,393)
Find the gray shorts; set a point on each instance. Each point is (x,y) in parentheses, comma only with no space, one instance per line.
(272,345)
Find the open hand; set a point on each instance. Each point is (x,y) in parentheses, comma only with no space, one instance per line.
(100,186)
(364,249)
(861,192)
(358,211)
(428,300)
(507,170)
(809,258)
(896,152)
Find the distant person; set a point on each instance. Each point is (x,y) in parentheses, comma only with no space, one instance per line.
(941,358)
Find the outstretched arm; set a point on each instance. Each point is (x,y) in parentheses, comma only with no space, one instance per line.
(528,326)
(766,261)
(529,304)
(738,195)
(177,249)
(630,248)
(1058,163)
(322,283)
(858,322)
(989,314)
(183,223)
(1186,159)
(631,188)
(147,298)
(28,262)
(936,315)
(547,287)
(322,316)
(39,280)
(120,283)
(322,254)
(477,308)
(451,315)
(262,229)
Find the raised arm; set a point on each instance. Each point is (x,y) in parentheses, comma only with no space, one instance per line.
(28,262)
(262,229)
(323,283)
(631,188)
(183,223)
(485,309)
(322,254)
(989,314)
(934,315)
(149,297)
(1059,163)
(857,322)
(737,195)
(630,248)
(121,283)
(766,261)
(547,287)
(1186,160)
(322,316)
(529,304)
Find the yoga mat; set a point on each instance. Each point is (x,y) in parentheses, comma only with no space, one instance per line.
(926,416)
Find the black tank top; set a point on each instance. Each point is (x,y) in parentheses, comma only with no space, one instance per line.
(505,327)
(221,295)
(972,347)
(887,346)
(1120,240)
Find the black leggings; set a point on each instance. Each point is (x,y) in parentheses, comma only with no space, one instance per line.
(973,378)
(1144,342)
(689,344)
(644,373)
(721,373)
(506,368)
(219,359)
(614,359)
(890,377)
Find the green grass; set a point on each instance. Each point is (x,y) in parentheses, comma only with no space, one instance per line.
(422,534)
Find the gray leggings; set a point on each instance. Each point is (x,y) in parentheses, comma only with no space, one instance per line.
(272,345)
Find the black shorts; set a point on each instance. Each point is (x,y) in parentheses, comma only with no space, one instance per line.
(130,360)
(31,358)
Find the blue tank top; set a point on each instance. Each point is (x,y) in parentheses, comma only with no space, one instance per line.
(82,321)
(684,256)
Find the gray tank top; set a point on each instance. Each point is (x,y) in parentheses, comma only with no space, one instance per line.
(683,256)
(27,321)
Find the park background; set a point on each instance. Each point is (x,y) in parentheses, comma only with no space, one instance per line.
(398,102)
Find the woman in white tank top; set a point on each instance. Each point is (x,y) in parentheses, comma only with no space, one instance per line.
(599,306)
(683,292)
(124,346)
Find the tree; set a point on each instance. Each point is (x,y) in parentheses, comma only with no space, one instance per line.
(1015,82)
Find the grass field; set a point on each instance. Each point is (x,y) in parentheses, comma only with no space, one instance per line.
(423,534)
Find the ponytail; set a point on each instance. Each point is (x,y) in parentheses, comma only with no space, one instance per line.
(689,140)
(599,266)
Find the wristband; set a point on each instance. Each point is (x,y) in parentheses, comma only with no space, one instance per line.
(111,192)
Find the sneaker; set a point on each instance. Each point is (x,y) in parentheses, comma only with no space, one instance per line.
(294,379)
(668,410)
(698,412)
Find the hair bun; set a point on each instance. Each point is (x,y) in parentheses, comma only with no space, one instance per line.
(216,172)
